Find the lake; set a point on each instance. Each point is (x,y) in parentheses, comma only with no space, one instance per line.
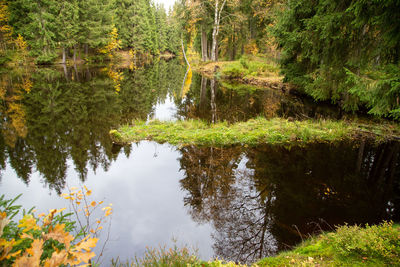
(236,203)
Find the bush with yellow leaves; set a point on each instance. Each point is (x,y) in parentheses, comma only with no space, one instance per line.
(51,239)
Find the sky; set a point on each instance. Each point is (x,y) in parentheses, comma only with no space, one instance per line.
(167,3)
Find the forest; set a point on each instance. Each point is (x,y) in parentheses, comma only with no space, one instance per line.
(345,52)
(265,132)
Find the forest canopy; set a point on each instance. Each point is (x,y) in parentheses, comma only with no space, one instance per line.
(345,52)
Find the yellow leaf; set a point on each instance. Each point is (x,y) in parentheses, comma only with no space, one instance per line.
(29,223)
(93,203)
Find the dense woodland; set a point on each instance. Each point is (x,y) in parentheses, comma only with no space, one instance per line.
(346,52)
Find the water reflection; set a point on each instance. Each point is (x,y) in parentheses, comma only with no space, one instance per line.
(266,199)
(50,114)
(214,101)
(55,124)
(68,113)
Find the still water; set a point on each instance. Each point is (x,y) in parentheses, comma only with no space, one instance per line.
(234,203)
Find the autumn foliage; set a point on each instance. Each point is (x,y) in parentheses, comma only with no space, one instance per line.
(49,239)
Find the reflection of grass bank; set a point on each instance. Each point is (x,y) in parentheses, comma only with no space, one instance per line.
(252,132)
(347,246)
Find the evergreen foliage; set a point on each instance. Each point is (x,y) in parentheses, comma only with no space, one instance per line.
(70,26)
(343,51)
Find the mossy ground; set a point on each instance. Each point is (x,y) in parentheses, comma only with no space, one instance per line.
(253,132)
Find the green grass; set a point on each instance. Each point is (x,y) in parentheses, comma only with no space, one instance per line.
(252,132)
(377,245)
(246,67)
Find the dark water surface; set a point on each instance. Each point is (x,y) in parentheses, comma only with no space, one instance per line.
(235,203)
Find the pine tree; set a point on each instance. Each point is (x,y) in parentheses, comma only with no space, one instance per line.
(161,26)
(40,30)
(125,11)
(344,51)
(96,22)
(68,23)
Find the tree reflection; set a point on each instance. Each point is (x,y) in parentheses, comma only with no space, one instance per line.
(213,100)
(68,112)
(275,196)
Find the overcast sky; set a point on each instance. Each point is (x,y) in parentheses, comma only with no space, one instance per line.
(167,3)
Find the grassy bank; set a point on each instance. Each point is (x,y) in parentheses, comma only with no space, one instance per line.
(252,132)
(347,246)
(254,70)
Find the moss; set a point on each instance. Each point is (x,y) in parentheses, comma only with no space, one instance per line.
(253,132)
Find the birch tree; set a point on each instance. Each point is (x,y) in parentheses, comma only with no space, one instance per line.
(219,7)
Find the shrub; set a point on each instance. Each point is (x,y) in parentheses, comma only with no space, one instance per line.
(47,239)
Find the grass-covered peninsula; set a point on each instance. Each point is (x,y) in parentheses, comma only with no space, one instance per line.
(252,132)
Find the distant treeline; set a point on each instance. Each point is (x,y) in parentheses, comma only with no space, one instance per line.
(82,27)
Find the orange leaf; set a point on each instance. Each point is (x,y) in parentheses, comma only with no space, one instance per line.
(58,233)
(57,259)
(35,251)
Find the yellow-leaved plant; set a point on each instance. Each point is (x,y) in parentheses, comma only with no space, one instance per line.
(49,239)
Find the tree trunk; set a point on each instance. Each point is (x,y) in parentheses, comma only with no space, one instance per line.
(213,103)
(204,46)
(217,20)
(203,93)
(74,57)
(184,54)
(86,51)
(234,44)
(65,72)
(63,56)
(76,73)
